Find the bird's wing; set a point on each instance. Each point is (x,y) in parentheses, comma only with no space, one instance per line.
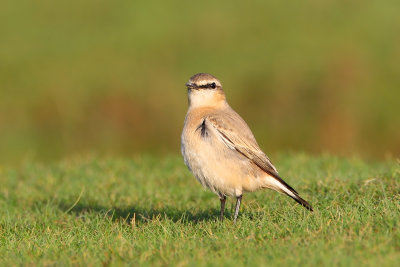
(236,135)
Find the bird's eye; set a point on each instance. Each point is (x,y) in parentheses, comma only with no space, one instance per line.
(213,85)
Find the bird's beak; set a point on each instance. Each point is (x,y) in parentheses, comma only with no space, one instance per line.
(190,85)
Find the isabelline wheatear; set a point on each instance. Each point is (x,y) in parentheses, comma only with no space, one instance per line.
(220,150)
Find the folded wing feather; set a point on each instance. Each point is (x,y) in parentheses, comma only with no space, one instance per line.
(244,143)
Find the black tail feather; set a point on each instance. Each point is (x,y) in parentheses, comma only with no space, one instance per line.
(302,202)
(296,196)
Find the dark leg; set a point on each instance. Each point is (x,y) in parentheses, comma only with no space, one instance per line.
(238,200)
(223,199)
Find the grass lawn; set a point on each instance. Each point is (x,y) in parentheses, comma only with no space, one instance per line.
(151,211)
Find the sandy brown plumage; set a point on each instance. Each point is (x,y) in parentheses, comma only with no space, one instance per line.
(220,149)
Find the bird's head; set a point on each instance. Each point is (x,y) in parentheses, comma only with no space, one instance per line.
(205,90)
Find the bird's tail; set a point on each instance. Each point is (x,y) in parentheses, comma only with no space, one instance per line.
(301,201)
(281,186)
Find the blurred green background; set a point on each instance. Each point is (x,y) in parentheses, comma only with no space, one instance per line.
(108,76)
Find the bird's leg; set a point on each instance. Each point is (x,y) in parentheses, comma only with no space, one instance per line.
(238,200)
(223,199)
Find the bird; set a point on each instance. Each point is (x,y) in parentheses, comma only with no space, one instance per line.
(220,150)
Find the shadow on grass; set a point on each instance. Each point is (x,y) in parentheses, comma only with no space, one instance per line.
(144,215)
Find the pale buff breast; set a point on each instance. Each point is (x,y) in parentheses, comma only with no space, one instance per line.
(216,166)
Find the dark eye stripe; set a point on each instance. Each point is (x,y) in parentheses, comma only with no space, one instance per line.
(208,85)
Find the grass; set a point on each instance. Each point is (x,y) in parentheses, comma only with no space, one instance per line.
(151,211)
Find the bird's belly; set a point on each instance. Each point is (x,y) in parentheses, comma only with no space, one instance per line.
(217,167)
